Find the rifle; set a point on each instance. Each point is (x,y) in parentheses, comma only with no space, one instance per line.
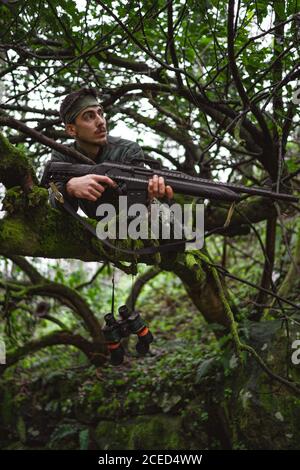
(133,180)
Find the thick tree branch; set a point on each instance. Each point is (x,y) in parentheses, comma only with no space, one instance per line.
(65,295)
(79,305)
(94,352)
(29,269)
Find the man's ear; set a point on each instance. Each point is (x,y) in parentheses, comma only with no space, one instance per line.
(71,130)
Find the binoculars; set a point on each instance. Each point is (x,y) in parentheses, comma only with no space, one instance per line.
(114,330)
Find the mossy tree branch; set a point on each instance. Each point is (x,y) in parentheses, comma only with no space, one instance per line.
(94,354)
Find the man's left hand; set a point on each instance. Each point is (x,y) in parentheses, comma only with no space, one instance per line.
(158,189)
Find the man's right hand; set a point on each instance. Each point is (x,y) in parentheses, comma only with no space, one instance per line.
(89,186)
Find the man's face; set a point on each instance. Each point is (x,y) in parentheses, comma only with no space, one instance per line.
(89,126)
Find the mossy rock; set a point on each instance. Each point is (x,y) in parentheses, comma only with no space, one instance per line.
(144,432)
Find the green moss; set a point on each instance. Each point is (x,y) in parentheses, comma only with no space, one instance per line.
(14,200)
(14,164)
(193,261)
(146,432)
(14,233)
(60,234)
(42,231)
(40,234)
(17,201)
(9,151)
(158,432)
(37,197)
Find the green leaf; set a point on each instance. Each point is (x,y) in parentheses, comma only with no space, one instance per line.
(84,439)
(204,369)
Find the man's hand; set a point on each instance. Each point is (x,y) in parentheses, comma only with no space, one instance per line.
(157,188)
(88,186)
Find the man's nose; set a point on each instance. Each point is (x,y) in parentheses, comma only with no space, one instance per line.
(99,120)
